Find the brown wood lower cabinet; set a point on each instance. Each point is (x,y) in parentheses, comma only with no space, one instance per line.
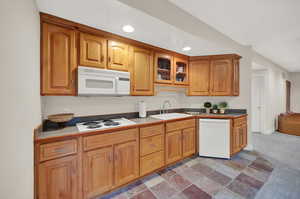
(173,146)
(126,162)
(116,162)
(239,135)
(98,171)
(91,165)
(188,142)
(181,142)
(58,179)
(152,162)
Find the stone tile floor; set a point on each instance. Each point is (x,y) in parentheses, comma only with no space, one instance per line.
(242,177)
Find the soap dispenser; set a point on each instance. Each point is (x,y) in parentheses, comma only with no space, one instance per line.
(142,109)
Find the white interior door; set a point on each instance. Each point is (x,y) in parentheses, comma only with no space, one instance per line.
(258,85)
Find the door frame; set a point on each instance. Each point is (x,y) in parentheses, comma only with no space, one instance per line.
(288,87)
(264,75)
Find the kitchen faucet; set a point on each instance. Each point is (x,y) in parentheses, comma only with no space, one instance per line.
(163,108)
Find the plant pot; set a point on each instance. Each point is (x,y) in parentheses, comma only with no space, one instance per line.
(222,111)
(208,110)
(215,111)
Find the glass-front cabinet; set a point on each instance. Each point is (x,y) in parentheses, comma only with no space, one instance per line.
(180,71)
(170,70)
(163,68)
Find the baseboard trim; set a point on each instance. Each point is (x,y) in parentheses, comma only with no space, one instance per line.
(249,147)
(268,132)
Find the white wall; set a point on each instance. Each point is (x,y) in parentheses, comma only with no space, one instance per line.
(275,77)
(83,106)
(20,101)
(295,92)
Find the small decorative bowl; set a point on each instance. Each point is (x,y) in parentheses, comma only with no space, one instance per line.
(60,118)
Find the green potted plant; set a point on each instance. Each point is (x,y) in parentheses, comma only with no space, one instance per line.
(222,107)
(215,108)
(207,106)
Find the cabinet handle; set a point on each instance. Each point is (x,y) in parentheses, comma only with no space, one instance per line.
(102,58)
(60,150)
(109,59)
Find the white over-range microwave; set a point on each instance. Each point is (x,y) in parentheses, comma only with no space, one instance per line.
(93,81)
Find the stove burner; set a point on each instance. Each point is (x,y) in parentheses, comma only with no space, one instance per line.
(94,126)
(107,120)
(111,123)
(90,123)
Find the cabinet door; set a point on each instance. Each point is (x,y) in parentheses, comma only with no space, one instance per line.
(235,145)
(163,72)
(244,142)
(97,171)
(92,51)
(117,56)
(58,60)
(58,179)
(188,142)
(199,75)
(141,71)
(126,162)
(236,77)
(173,146)
(180,71)
(221,77)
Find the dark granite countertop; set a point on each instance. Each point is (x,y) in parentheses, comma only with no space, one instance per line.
(72,131)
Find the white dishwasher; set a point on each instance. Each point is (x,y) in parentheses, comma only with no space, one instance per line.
(214,138)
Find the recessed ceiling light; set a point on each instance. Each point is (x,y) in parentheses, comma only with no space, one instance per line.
(128,28)
(187,48)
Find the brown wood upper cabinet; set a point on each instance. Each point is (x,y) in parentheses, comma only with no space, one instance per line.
(236,77)
(141,71)
(117,56)
(216,75)
(221,77)
(199,78)
(163,70)
(170,70)
(93,51)
(58,60)
(180,71)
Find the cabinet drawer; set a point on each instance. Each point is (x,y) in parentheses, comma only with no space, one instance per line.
(152,130)
(183,124)
(57,149)
(152,162)
(97,141)
(240,121)
(152,144)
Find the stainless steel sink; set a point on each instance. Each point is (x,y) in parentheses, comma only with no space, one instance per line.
(169,116)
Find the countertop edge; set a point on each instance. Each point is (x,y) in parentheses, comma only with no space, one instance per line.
(137,125)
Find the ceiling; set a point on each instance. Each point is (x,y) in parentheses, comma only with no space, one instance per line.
(271,27)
